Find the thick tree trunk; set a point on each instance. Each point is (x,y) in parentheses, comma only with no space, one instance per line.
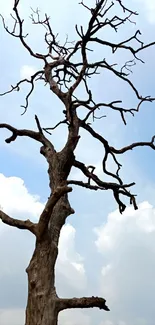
(41,306)
(43,303)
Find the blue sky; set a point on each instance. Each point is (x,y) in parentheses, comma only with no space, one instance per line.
(100,250)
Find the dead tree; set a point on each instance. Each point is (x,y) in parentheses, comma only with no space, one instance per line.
(63,74)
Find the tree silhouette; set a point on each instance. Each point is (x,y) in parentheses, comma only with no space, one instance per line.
(66,67)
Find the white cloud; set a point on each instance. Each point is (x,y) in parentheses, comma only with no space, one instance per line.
(70,263)
(127,243)
(27,71)
(74,317)
(16,200)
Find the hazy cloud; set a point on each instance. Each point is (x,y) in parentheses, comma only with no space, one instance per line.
(27,71)
(127,243)
(12,316)
(149,9)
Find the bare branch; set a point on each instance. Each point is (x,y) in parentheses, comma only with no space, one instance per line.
(126,9)
(112,105)
(54,127)
(122,45)
(95,178)
(115,187)
(38,136)
(31,82)
(38,125)
(84,302)
(15,133)
(27,224)
(86,185)
(19,22)
(134,145)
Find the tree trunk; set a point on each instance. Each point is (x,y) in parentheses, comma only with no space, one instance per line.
(41,306)
(43,302)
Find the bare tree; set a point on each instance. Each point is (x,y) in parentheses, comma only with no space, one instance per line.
(64,75)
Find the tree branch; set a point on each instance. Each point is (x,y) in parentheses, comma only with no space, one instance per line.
(86,185)
(31,82)
(46,214)
(23,132)
(84,302)
(38,136)
(134,145)
(54,127)
(117,189)
(97,180)
(27,224)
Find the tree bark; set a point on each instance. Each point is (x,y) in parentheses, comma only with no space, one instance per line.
(42,300)
(43,303)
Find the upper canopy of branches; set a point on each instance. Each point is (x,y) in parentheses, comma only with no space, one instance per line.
(64,74)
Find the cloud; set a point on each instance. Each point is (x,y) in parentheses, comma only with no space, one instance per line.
(127,243)
(149,9)
(16,200)
(139,321)
(17,316)
(12,316)
(27,71)
(7,8)
(70,263)
(74,317)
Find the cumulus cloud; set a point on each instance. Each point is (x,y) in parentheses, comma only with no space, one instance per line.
(16,200)
(17,249)
(70,263)
(127,243)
